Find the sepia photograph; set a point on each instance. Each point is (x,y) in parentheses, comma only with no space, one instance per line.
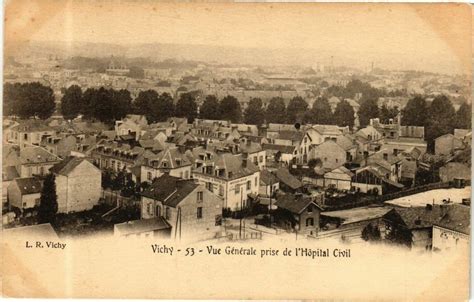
(167,150)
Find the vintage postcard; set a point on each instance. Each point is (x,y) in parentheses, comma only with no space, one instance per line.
(165,150)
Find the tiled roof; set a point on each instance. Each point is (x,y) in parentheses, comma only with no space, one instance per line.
(287,178)
(281,148)
(31,125)
(28,185)
(457,218)
(170,190)
(142,225)
(30,155)
(67,165)
(294,204)
(267,177)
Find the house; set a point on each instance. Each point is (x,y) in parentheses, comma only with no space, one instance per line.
(339,178)
(368,140)
(132,124)
(389,163)
(289,137)
(331,154)
(269,184)
(255,152)
(156,227)
(60,146)
(78,184)
(455,171)
(234,178)
(374,178)
(350,223)
(414,225)
(315,136)
(115,156)
(29,133)
(452,231)
(171,161)
(299,213)
(24,193)
(35,161)
(447,144)
(37,231)
(188,207)
(279,154)
(288,182)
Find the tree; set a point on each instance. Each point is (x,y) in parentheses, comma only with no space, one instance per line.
(48,200)
(399,235)
(276,111)
(255,113)
(122,101)
(230,109)
(144,101)
(296,109)
(162,109)
(187,107)
(388,113)
(440,119)
(415,112)
(29,100)
(71,102)
(314,162)
(368,109)
(371,233)
(320,113)
(464,116)
(210,108)
(344,114)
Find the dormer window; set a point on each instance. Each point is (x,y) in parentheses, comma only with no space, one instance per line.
(178,161)
(164,164)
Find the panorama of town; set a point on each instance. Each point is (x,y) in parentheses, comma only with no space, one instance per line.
(205,151)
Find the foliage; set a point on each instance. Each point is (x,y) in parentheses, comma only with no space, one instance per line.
(162,109)
(48,200)
(255,113)
(70,102)
(440,118)
(106,105)
(464,116)
(186,107)
(399,235)
(28,100)
(344,114)
(229,108)
(144,102)
(415,112)
(387,113)
(320,113)
(314,162)
(210,108)
(368,109)
(371,233)
(276,111)
(296,110)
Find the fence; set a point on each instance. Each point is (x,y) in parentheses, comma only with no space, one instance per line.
(114,198)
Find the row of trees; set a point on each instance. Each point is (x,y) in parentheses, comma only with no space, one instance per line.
(28,100)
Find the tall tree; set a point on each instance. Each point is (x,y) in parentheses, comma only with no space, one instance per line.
(186,107)
(368,109)
(230,109)
(296,109)
(276,111)
(388,113)
(255,113)
(320,113)
(210,108)
(29,100)
(71,102)
(144,101)
(48,200)
(440,118)
(464,116)
(163,108)
(122,101)
(344,114)
(415,112)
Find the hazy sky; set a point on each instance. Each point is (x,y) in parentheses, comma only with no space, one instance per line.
(419,33)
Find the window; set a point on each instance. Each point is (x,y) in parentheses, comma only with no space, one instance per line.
(148,208)
(237,189)
(221,190)
(24,204)
(337,160)
(209,186)
(249,185)
(199,213)
(41,171)
(310,209)
(309,222)
(167,213)
(260,159)
(186,174)
(25,136)
(256,181)
(200,196)
(149,176)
